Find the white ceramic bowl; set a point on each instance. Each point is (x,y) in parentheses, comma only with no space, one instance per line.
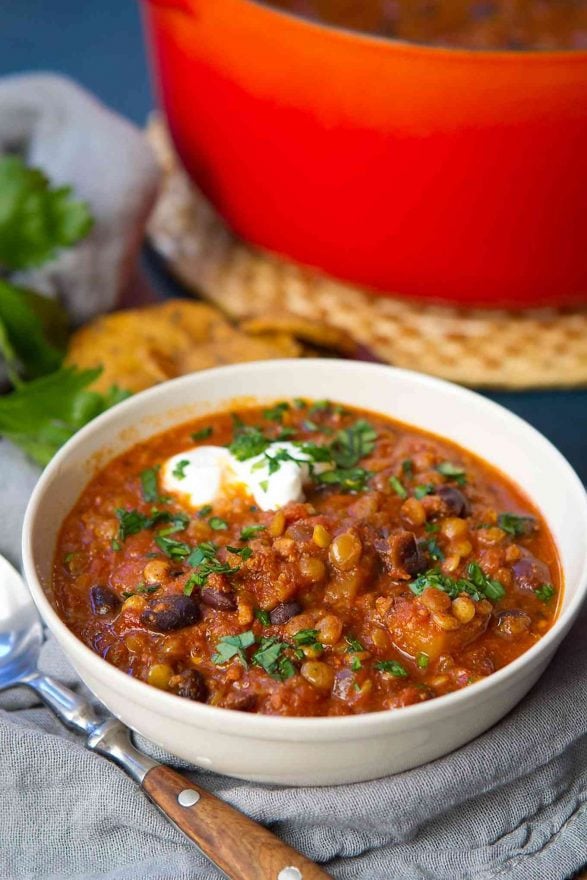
(314,751)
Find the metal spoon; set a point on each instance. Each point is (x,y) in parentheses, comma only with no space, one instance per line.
(239,847)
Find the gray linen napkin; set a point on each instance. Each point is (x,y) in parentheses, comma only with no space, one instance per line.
(512,804)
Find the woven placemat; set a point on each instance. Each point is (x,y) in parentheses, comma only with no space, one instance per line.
(544,348)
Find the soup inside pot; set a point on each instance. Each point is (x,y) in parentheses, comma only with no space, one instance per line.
(471,24)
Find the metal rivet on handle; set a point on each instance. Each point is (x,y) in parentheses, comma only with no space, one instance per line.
(290,873)
(188,797)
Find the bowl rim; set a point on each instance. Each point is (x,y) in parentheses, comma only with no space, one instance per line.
(272,727)
(397,43)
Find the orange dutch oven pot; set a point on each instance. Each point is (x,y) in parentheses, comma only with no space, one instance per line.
(441,174)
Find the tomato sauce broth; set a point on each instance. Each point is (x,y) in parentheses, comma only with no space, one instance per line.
(413,570)
(470,24)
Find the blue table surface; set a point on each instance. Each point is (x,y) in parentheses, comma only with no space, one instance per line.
(100,45)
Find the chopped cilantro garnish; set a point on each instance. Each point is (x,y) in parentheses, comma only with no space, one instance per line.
(268,653)
(264,485)
(189,585)
(408,467)
(299,403)
(172,548)
(353,644)
(306,637)
(243,552)
(275,414)
(353,443)
(142,590)
(218,524)
(392,667)
(477,584)
(248,443)
(545,592)
(422,660)
(320,406)
(248,532)
(431,528)
(204,511)
(424,489)
(202,434)
(356,664)
(149,487)
(233,646)
(397,487)
(203,559)
(452,472)
(133,521)
(116,545)
(433,549)
(179,469)
(516,525)
(348,480)
(263,617)
(205,550)
(286,433)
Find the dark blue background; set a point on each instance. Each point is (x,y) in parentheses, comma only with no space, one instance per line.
(100,44)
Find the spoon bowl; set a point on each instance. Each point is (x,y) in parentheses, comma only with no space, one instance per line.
(21,632)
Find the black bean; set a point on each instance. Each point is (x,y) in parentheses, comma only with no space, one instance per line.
(170,612)
(406,553)
(103,600)
(218,599)
(456,502)
(512,623)
(530,573)
(284,612)
(192,686)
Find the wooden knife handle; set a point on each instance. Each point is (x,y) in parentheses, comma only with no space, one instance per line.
(240,847)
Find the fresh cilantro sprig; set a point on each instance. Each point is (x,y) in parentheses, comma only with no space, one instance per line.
(517,526)
(391,667)
(477,584)
(49,403)
(452,472)
(36,219)
(41,415)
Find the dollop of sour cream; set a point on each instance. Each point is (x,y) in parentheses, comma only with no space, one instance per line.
(201,474)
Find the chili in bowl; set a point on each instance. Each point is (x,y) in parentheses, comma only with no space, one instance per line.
(367,557)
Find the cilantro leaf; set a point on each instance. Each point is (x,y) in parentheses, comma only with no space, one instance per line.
(477,584)
(347,479)
(424,489)
(248,443)
(275,414)
(202,434)
(179,469)
(452,472)
(43,414)
(352,444)
(398,487)
(36,220)
(233,646)
(545,592)
(35,329)
(517,526)
(248,532)
(172,548)
(149,487)
(392,667)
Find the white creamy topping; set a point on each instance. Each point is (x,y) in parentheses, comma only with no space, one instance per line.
(200,474)
(200,480)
